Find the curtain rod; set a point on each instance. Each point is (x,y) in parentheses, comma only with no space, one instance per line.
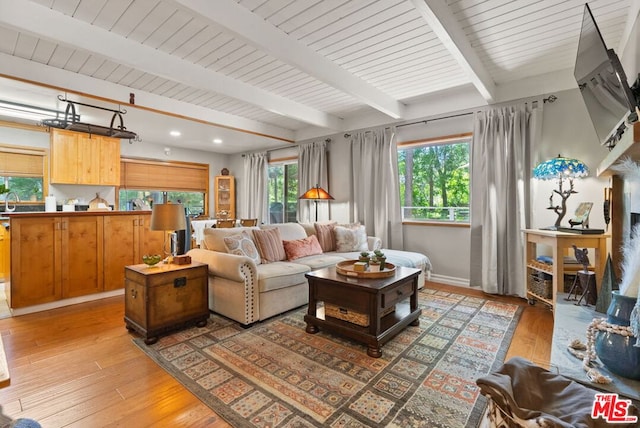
(431,120)
(550,99)
(327,140)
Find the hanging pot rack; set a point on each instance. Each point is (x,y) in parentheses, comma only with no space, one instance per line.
(71,123)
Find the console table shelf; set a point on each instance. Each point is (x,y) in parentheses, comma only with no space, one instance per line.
(559,242)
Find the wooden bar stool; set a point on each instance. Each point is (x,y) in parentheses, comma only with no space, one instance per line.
(225,223)
(248,222)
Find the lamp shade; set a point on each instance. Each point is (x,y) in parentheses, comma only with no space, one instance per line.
(560,167)
(168,217)
(316,193)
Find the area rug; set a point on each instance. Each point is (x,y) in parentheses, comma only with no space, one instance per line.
(274,374)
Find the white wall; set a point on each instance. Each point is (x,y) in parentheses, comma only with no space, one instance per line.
(567,130)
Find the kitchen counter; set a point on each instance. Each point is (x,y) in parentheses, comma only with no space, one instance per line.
(70,213)
(66,257)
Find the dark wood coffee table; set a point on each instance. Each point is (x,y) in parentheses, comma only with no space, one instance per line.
(373,297)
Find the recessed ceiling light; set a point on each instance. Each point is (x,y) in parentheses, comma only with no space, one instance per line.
(175,133)
(217,140)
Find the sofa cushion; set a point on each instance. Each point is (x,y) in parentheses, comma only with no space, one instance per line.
(297,248)
(326,236)
(276,275)
(321,261)
(214,237)
(241,244)
(288,231)
(269,244)
(350,239)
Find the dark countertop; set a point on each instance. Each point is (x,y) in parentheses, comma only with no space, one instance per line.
(70,213)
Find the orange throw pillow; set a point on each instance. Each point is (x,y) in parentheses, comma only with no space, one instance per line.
(298,248)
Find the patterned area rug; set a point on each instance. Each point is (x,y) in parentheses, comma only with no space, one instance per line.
(276,375)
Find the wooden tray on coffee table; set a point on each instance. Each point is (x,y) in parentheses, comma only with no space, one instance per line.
(346,268)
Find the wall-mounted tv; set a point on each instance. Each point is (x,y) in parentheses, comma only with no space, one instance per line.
(602,82)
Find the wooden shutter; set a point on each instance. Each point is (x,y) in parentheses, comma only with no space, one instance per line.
(152,175)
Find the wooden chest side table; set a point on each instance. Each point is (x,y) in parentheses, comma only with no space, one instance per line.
(165,297)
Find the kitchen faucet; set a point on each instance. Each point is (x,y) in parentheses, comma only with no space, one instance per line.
(6,201)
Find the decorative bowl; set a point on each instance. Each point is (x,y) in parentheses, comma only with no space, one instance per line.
(151,259)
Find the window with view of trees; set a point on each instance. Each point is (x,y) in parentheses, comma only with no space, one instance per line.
(434,179)
(22,172)
(283,192)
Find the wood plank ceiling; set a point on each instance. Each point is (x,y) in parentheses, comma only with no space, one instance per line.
(280,68)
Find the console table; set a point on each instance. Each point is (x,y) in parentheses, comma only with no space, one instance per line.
(559,242)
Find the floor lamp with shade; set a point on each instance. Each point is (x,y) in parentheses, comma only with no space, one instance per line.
(168,218)
(316,194)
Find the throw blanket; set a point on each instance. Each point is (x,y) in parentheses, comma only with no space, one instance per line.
(409,259)
(539,398)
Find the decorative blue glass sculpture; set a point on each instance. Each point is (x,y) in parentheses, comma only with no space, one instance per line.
(560,169)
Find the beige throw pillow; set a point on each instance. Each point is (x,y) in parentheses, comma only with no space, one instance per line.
(241,244)
(269,244)
(348,240)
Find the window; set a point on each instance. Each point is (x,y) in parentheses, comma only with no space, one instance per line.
(283,191)
(434,179)
(22,172)
(146,181)
(193,201)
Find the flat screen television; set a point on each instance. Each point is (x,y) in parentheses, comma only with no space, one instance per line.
(602,82)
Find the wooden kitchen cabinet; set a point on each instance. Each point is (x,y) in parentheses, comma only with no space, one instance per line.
(56,257)
(80,158)
(82,261)
(225,196)
(129,238)
(5,241)
(36,261)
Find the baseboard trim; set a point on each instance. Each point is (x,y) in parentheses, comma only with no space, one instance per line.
(66,302)
(450,280)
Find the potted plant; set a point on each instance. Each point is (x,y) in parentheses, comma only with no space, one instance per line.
(34,194)
(374,265)
(380,257)
(364,257)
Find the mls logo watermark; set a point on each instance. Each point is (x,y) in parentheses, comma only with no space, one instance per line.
(612,409)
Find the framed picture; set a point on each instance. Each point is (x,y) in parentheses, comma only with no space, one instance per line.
(581,216)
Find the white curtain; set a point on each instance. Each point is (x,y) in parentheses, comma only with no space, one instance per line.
(312,171)
(375,188)
(255,194)
(500,174)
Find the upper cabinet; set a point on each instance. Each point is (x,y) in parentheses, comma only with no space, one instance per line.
(225,196)
(79,158)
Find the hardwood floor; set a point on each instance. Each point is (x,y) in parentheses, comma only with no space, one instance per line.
(77,367)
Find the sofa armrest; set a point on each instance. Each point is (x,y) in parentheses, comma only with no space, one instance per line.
(228,266)
(374,243)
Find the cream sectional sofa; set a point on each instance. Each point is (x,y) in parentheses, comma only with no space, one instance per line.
(248,292)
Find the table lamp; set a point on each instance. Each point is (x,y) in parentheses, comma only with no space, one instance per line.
(561,169)
(316,193)
(168,218)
